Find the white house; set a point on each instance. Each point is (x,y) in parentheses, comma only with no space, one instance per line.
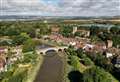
(109,55)
(72,43)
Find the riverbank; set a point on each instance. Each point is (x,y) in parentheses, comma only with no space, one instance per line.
(33,72)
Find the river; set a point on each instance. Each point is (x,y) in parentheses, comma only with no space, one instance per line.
(51,69)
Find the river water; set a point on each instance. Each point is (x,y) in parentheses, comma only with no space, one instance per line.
(51,69)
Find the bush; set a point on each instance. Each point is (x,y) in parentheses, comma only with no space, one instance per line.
(88,62)
(28,46)
(30,58)
(19,76)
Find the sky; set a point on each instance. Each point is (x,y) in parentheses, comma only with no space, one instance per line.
(60,7)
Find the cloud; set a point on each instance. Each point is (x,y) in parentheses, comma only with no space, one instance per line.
(61,7)
(92,7)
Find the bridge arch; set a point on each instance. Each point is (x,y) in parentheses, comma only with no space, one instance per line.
(60,50)
(51,50)
(41,52)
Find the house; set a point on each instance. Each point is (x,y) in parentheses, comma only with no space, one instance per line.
(84,33)
(108,55)
(45,21)
(2,63)
(72,43)
(17,52)
(117,62)
(45,37)
(37,32)
(74,30)
(109,43)
(113,50)
(3,50)
(55,29)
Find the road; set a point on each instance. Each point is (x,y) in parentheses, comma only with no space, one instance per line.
(51,70)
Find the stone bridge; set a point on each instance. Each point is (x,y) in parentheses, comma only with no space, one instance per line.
(43,51)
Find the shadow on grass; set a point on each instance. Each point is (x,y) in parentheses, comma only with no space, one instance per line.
(75,76)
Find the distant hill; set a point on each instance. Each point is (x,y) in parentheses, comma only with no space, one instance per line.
(32,17)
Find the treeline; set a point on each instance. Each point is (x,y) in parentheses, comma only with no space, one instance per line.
(86,69)
(15,28)
(18,32)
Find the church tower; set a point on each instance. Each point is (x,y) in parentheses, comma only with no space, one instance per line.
(74,30)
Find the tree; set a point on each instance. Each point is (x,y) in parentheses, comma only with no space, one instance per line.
(75,76)
(66,31)
(30,58)
(20,39)
(75,62)
(32,32)
(116,40)
(12,31)
(44,29)
(97,74)
(105,36)
(71,52)
(115,30)
(29,45)
(95,39)
(87,61)
(79,34)
(81,54)
(94,30)
(101,60)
